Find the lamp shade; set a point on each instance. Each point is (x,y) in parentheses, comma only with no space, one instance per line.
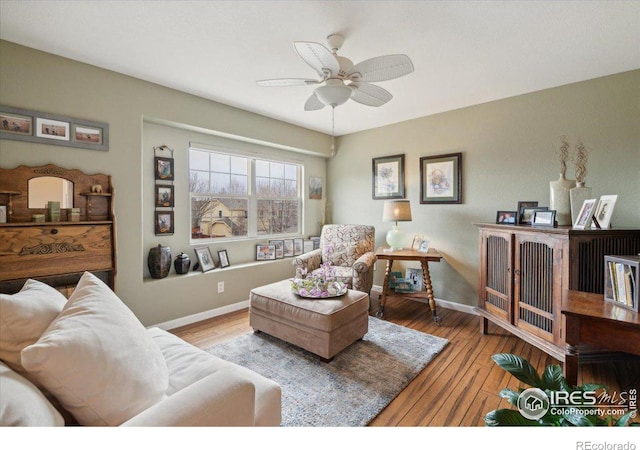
(396,211)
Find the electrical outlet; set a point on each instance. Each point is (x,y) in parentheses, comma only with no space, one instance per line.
(220,287)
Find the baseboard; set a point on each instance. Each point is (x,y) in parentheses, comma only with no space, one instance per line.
(440,303)
(204,315)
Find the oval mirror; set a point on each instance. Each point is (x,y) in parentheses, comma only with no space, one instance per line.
(45,189)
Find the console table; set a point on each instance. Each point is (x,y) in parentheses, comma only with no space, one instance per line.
(591,320)
(384,253)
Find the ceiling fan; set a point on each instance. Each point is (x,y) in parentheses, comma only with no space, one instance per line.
(342,80)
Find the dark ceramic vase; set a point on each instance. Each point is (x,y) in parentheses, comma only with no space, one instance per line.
(159,261)
(182,263)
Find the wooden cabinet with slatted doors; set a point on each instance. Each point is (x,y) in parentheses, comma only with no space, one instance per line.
(525,270)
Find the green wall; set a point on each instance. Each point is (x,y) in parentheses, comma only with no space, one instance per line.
(142,115)
(509,154)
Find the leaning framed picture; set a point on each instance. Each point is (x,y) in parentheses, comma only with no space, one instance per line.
(586,214)
(388,177)
(525,215)
(506,217)
(164,223)
(604,211)
(298,246)
(205,259)
(544,218)
(223,257)
(441,179)
(164,196)
(265,252)
(289,249)
(525,204)
(163,168)
(279,243)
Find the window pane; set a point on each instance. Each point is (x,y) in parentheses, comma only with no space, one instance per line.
(239,184)
(277,216)
(217,217)
(220,183)
(277,170)
(290,189)
(262,168)
(239,165)
(277,188)
(199,182)
(290,172)
(262,186)
(198,160)
(219,163)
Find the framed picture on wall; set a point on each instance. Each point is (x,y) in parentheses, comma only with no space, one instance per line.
(164,196)
(164,168)
(388,177)
(315,188)
(441,178)
(164,223)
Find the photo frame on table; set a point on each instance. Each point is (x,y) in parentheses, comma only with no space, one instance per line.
(507,217)
(163,168)
(265,252)
(164,196)
(288,247)
(279,243)
(417,240)
(164,223)
(441,179)
(544,218)
(205,259)
(585,216)
(525,217)
(223,257)
(298,246)
(415,275)
(524,204)
(387,175)
(604,211)
(315,188)
(44,128)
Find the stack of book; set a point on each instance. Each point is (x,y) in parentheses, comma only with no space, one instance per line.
(53,208)
(622,284)
(74,214)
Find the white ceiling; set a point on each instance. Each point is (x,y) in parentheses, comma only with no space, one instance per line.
(464,52)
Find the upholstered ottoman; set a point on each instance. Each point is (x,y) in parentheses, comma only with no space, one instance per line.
(322,326)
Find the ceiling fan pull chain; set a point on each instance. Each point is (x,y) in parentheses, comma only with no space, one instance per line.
(333,131)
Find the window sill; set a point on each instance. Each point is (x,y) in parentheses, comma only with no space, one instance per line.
(193,273)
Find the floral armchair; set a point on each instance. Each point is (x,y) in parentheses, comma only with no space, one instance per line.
(349,250)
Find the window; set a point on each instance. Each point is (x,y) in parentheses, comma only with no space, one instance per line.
(234,196)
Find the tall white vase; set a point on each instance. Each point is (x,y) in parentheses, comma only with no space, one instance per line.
(578,195)
(560,199)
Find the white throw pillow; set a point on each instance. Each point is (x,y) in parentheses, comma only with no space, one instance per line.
(98,359)
(24,316)
(22,404)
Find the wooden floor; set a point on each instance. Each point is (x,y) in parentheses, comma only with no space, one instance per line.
(461,384)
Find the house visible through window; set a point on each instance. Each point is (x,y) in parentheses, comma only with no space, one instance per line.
(235,196)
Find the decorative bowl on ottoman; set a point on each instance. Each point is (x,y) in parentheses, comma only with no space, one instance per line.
(321,285)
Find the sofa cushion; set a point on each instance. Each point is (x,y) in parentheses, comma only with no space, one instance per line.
(22,404)
(24,316)
(97,358)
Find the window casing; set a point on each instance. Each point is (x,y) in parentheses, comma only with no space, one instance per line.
(235,196)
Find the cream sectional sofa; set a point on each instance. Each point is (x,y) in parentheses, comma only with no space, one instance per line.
(89,360)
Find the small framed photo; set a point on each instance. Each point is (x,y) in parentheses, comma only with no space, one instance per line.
(52,129)
(415,275)
(315,188)
(417,240)
(265,252)
(388,177)
(602,216)
(223,257)
(164,223)
(525,204)
(164,168)
(288,247)
(87,134)
(307,246)
(441,179)
(586,214)
(393,278)
(544,218)
(16,124)
(205,259)
(164,196)
(424,246)
(506,217)
(279,243)
(525,216)
(298,246)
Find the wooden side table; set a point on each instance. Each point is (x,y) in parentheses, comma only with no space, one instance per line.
(384,253)
(591,320)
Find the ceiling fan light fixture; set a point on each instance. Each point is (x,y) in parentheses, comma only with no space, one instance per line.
(333,94)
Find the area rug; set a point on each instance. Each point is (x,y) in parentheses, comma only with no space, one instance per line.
(348,391)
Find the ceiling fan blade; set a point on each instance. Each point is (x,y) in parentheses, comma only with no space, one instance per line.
(369,94)
(318,57)
(279,82)
(381,68)
(313,103)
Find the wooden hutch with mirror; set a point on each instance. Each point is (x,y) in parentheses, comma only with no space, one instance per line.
(525,272)
(56,251)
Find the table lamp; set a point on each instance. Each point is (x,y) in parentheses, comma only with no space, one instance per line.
(396,211)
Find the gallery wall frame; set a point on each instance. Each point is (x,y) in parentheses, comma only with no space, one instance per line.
(26,125)
(441,179)
(387,177)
